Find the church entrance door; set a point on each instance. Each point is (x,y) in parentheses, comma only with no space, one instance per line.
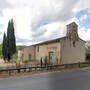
(51,57)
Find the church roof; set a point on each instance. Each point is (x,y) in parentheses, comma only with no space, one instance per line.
(52,41)
(73,23)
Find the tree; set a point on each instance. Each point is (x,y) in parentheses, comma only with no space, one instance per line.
(11,42)
(4,47)
(8,41)
(13,38)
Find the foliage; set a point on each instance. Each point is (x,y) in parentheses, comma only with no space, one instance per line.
(1,47)
(4,47)
(14,57)
(20,47)
(1,56)
(88,50)
(25,61)
(46,57)
(9,42)
(88,53)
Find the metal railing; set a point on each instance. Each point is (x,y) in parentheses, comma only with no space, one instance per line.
(46,67)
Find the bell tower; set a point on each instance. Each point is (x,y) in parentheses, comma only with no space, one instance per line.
(72,31)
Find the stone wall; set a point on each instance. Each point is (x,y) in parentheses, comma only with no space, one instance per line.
(45,49)
(72,53)
(24,53)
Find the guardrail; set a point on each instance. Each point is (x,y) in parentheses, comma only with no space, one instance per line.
(46,67)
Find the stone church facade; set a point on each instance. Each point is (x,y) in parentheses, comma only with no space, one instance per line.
(65,50)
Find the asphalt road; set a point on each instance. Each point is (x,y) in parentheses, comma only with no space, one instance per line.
(65,80)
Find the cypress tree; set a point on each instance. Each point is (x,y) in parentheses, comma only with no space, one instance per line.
(13,48)
(4,47)
(11,42)
(8,41)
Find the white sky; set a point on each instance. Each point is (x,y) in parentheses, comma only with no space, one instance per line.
(39,20)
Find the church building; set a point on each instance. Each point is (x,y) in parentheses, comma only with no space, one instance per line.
(64,50)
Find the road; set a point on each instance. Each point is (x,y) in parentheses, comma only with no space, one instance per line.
(65,80)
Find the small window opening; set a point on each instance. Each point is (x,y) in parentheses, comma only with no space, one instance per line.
(38,49)
(74,44)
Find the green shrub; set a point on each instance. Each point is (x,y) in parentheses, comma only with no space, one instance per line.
(14,58)
(25,61)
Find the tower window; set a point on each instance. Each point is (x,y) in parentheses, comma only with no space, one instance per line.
(73,26)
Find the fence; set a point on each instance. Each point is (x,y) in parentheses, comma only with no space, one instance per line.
(46,67)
